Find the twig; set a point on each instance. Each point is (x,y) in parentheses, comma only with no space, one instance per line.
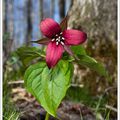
(16,82)
(111,108)
(77,85)
(101,97)
(22,82)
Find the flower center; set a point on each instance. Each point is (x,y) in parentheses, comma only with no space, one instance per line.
(59,39)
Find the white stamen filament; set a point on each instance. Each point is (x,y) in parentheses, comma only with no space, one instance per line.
(63,38)
(62,43)
(57,43)
(58,40)
(53,39)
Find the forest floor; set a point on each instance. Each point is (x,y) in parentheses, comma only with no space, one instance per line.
(30,109)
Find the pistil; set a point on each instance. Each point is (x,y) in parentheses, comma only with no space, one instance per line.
(59,39)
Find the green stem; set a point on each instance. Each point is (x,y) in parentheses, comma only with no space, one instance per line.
(47,116)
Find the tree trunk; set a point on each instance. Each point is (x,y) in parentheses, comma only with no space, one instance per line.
(41,9)
(29,22)
(97,18)
(62,8)
(35,19)
(9,17)
(20,22)
(52,8)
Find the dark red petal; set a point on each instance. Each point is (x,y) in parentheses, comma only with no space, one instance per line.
(49,27)
(53,54)
(43,41)
(74,37)
(64,23)
(67,48)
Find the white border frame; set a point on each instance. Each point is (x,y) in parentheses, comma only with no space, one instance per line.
(1,60)
(118,55)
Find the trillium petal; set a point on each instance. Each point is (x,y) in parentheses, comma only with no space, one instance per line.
(74,37)
(43,41)
(64,23)
(53,54)
(67,48)
(49,27)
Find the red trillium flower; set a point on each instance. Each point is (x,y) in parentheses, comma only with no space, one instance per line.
(59,38)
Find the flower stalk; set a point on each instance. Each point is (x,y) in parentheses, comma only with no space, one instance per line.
(47,116)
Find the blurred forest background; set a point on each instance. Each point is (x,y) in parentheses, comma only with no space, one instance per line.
(90,97)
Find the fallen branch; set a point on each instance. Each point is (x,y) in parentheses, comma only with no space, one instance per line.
(16,82)
(22,82)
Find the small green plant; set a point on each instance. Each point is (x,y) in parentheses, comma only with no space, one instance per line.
(49,79)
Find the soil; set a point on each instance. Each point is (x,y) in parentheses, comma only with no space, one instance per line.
(30,109)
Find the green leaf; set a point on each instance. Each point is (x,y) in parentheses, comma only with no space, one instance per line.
(78,50)
(27,54)
(87,61)
(84,95)
(49,86)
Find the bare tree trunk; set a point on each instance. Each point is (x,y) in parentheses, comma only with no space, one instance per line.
(29,27)
(41,9)
(62,8)
(20,22)
(35,20)
(9,17)
(52,10)
(97,18)
(68,4)
(4,13)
